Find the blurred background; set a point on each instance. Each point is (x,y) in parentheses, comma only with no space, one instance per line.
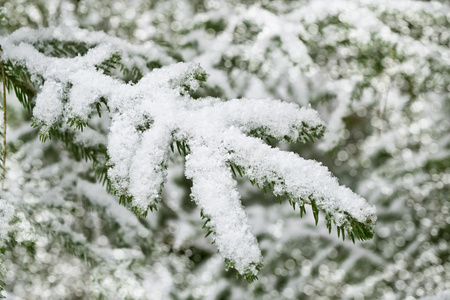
(378,72)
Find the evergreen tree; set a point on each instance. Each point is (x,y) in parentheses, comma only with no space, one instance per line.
(378,74)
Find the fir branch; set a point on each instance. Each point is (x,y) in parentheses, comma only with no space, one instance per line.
(148,117)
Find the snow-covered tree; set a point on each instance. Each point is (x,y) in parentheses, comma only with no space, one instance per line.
(377,72)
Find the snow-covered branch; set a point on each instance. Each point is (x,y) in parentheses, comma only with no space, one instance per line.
(217,137)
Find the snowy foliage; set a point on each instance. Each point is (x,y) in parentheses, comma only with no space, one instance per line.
(377,72)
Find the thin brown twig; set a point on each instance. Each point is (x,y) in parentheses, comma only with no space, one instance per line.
(4,126)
